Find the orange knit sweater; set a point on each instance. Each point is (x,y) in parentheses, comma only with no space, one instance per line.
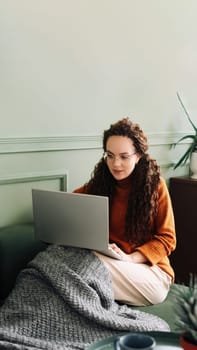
(160,247)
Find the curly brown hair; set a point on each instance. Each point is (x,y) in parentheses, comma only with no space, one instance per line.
(143,198)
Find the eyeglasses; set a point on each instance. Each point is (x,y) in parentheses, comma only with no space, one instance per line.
(125,157)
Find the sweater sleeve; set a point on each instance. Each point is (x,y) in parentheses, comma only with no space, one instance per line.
(164,241)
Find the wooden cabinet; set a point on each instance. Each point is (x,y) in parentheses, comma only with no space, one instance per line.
(183,191)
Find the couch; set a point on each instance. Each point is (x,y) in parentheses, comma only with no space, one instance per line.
(18,246)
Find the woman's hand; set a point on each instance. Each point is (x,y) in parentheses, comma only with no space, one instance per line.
(118,250)
(135,257)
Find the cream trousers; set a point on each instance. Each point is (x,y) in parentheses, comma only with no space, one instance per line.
(136,284)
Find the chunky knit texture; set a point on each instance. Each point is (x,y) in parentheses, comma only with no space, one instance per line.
(64,300)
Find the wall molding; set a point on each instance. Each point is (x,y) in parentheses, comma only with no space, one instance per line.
(34,177)
(65,143)
(47,144)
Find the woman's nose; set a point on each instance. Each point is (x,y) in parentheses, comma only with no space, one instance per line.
(117,160)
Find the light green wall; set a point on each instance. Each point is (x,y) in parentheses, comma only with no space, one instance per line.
(70,68)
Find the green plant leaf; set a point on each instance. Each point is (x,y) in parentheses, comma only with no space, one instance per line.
(184,158)
(186,112)
(193,138)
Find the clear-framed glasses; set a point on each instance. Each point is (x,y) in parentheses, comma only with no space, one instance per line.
(124,157)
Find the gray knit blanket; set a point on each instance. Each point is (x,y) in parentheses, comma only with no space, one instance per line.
(64,300)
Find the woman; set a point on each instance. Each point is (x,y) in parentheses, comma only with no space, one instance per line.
(141,221)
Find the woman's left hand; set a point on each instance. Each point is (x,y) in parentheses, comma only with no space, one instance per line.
(135,257)
(123,255)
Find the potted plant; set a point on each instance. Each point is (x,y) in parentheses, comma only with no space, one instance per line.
(186,313)
(191,153)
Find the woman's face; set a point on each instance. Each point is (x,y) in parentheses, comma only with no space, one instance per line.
(121,156)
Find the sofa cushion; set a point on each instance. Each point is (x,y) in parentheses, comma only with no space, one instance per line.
(165,310)
(17,247)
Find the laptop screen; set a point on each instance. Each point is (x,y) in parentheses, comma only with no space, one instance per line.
(72,219)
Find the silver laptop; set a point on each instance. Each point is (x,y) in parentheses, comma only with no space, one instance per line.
(72,219)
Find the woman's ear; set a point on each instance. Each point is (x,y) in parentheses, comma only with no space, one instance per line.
(138,156)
